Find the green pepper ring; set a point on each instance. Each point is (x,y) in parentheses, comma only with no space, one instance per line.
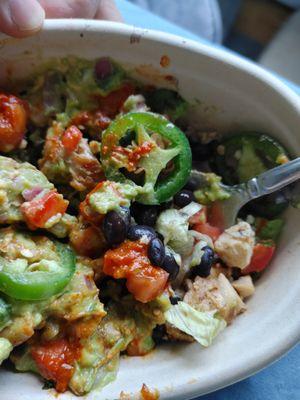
(165,189)
(39,285)
(263,143)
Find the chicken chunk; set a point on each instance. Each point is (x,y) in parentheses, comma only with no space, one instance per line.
(244,286)
(214,294)
(235,245)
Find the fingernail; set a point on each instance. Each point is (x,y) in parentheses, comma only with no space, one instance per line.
(28,15)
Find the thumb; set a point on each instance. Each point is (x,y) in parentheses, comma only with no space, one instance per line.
(20,18)
(108,10)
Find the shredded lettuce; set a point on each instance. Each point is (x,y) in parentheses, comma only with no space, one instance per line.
(202,326)
(174,226)
(191,209)
(5,349)
(197,253)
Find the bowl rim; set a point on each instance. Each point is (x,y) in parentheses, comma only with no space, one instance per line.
(289,338)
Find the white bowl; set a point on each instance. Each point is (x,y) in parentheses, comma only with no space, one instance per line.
(233,94)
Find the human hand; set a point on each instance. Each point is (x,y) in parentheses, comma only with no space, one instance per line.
(20,18)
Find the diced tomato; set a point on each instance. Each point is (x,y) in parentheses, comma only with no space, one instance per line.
(111,104)
(71,139)
(261,257)
(85,210)
(92,119)
(13,119)
(130,261)
(215,216)
(81,118)
(147,283)
(200,217)
(212,231)
(39,210)
(55,360)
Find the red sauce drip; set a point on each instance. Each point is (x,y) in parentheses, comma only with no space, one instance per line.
(147,394)
(165,61)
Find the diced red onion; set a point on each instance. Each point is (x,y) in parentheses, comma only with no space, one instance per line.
(30,194)
(88,282)
(103,68)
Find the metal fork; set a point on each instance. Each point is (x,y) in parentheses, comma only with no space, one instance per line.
(265,183)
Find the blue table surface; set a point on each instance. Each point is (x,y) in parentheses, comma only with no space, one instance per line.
(281,380)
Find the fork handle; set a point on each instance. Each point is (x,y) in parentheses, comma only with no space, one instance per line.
(274,179)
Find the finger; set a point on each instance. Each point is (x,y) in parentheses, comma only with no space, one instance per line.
(70,8)
(20,18)
(108,10)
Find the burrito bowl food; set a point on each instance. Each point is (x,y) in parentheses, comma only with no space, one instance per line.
(108,246)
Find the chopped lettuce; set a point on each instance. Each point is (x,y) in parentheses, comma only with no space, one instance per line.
(135,102)
(202,326)
(5,349)
(174,226)
(197,254)
(107,373)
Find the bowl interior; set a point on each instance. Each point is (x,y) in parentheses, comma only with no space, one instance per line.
(229,95)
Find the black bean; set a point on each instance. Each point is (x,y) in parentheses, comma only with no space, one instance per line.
(143,214)
(174,300)
(159,334)
(236,273)
(115,227)
(207,259)
(170,265)
(183,198)
(156,252)
(135,232)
